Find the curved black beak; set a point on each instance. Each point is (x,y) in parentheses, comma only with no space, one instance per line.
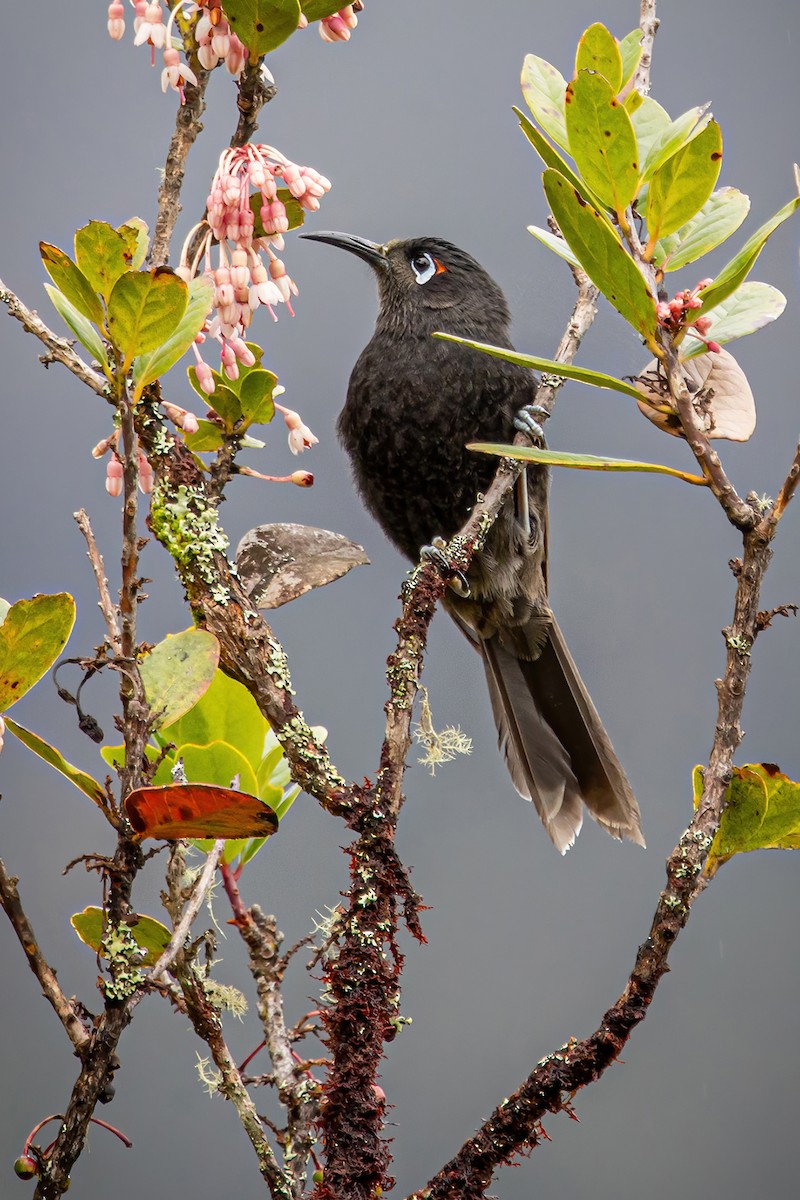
(370,252)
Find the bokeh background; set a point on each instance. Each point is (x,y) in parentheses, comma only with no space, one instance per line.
(412,121)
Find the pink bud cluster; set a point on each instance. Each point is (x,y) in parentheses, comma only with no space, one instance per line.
(182,419)
(674,314)
(248,273)
(217,43)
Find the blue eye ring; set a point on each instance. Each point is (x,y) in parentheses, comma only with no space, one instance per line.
(424,266)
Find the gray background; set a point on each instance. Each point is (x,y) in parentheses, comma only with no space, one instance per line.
(412,122)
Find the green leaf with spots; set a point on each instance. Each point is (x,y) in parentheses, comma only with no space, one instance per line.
(178,671)
(137,238)
(144,310)
(32,637)
(630,49)
(72,283)
(682,185)
(601,254)
(740,266)
(720,216)
(580,462)
(89,786)
(544,88)
(148,933)
(598,51)
(262,25)
(602,140)
(762,812)
(255,395)
(670,139)
(84,330)
(748,309)
(148,367)
(551,157)
(548,365)
(650,121)
(103,255)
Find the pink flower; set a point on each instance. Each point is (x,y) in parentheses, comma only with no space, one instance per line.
(116,20)
(146,476)
(336,28)
(300,436)
(176,73)
(114,476)
(151,28)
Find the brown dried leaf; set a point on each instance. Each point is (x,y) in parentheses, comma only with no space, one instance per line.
(723,402)
(278,563)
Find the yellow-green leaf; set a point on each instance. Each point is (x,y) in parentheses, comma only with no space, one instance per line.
(83,328)
(762,812)
(31,638)
(598,51)
(72,282)
(580,462)
(144,310)
(551,157)
(740,266)
(262,24)
(601,254)
(543,88)
(89,786)
(682,185)
(602,140)
(103,255)
(178,671)
(720,216)
(151,366)
(148,933)
(630,49)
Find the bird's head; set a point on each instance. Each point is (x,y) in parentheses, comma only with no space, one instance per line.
(427,281)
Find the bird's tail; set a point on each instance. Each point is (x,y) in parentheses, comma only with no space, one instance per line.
(556,749)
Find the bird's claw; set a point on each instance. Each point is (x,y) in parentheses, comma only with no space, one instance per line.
(456,580)
(529,420)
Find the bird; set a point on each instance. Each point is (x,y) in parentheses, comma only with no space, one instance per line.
(413,403)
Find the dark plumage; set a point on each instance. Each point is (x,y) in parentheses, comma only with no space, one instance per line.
(413,403)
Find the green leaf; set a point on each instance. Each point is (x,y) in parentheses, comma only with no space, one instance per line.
(720,216)
(551,157)
(601,255)
(670,139)
(256,397)
(630,49)
(90,787)
(262,24)
(749,308)
(141,240)
(146,368)
(178,671)
(219,763)
(84,331)
(295,213)
(208,437)
(762,812)
(598,51)
(226,711)
(548,365)
(602,140)
(314,10)
(103,254)
(31,638)
(650,121)
(543,88)
(682,185)
(580,462)
(144,310)
(556,244)
(740,266)
(148,933)
(72,283)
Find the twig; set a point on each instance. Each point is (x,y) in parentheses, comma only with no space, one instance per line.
(58,349)
(648,23)
(64,1009)
(188,126)
(181,930)
(107,606)
(254,93)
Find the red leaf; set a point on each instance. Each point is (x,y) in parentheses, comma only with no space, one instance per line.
(198,810)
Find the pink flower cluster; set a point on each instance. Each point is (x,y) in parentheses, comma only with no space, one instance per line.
(673,315)
(246,178)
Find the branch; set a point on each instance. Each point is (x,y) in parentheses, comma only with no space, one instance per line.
(648,23)
(58,349)
(65,1010)
(188,126)
(181,931)
(254,92)
(107,606)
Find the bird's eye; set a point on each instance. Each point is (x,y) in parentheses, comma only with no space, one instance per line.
(424,267)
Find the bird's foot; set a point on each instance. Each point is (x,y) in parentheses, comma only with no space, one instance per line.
(456,580)
(529,420)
